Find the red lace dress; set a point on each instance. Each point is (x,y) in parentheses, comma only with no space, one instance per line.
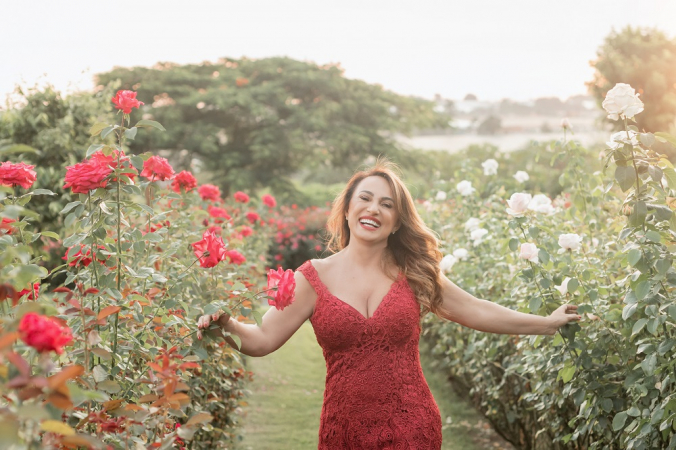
(376,396)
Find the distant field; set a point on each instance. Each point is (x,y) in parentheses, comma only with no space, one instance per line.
(505,142)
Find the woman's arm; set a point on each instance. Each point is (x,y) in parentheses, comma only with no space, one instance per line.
(482,315)
(276,326)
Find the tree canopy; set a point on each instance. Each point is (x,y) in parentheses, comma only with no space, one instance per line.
(644,58)
(257,122)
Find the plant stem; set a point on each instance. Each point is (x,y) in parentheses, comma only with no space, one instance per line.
(119,242)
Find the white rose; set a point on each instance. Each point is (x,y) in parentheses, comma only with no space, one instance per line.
(563,288)
(622,101)
(595,242)
(565,123)
(542,204)
(477,236)
(447,263)
(441,196)
(460,253)
(490,167)
(529,251)
(472,224)
(570,241)
(521,176)
(465,188)
(620,138)
(518,204)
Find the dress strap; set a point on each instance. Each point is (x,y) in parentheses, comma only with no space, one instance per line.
(311,275)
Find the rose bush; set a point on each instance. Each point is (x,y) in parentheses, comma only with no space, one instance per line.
(607,243)
(109,359)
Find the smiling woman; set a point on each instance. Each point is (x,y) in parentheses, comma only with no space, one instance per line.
(365,303)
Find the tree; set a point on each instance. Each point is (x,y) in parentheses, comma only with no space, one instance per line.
(644,58)
(257,122)
(490,125)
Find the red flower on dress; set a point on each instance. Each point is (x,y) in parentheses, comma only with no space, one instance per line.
(218,213)
(285,285)
(4,225)
(157,168)
(90,174)
(17,174)
(212,244)
(209,192)
(44,333)
(241,197)
(235,257)
(126,100)
(23,292)
(184,180)
(269,200)
(252,217)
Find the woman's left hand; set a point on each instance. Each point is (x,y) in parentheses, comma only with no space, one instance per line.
(563,314)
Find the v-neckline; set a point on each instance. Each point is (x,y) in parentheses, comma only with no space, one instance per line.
(356,311)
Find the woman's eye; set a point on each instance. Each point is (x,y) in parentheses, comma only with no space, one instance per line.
(387,205)
(364,198)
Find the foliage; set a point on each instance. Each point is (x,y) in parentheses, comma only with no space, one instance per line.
(299,235)
(257,122)
(606,382)
(133,375)
(645,58)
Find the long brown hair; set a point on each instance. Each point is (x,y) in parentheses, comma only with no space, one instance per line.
(414,246)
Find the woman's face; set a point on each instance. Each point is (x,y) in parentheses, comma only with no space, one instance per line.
(372,213)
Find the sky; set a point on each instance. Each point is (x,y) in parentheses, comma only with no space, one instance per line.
(518,49)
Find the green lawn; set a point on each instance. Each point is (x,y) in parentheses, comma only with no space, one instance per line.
(286,401)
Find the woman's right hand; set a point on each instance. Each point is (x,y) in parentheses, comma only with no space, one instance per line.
(221,318)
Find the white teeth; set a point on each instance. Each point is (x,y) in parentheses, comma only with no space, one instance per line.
(370,222)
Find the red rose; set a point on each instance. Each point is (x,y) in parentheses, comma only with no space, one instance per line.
(209,192)
(212,244)
(252,217)
(158,168)
(269,200)
(36,287)
(90,174)
(126,100)
(4,225)
(111,161)
(184,180)
(19,174)
(44,333)
(215,229)
(285,283)
(218,213)
(235,257)
(241,197)
(246,231)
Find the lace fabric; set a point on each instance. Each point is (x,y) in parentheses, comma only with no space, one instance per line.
(376,396)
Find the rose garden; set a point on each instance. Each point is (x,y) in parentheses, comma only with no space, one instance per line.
(100,346)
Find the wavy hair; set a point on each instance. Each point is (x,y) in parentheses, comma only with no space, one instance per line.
(414,246)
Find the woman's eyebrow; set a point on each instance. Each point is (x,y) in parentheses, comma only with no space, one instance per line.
(371,194)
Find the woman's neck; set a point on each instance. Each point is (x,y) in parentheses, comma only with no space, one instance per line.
(366,256)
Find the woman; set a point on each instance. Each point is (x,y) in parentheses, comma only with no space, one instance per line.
(365,303)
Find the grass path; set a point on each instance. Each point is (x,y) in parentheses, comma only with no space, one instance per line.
(287,393)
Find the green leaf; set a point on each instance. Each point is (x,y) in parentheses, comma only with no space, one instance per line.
(607,404)
(18,148)
(513,244)
(50,234)
(257,317)
(638,326)
(25,274)
(670,175)
(638,214)
(70,206)
(42,192)
(566,374)
(633,256)
(130,133)
(137,162)
(237,340)
(648,364)
(109,386)
(662,266)
(97,128)
(647,139)
(619,420)
(625,176)
(573,284)
(642,289)
(93,149)
(535,304)
(149,124)
(653,236)
(543,256)
(628,311)
(667,137)
(655,173)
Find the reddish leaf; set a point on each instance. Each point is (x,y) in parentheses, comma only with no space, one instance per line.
(8,339)
(66,374)
(108,311)
(19,362)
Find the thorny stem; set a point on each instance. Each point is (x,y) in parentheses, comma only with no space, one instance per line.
(119,241)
